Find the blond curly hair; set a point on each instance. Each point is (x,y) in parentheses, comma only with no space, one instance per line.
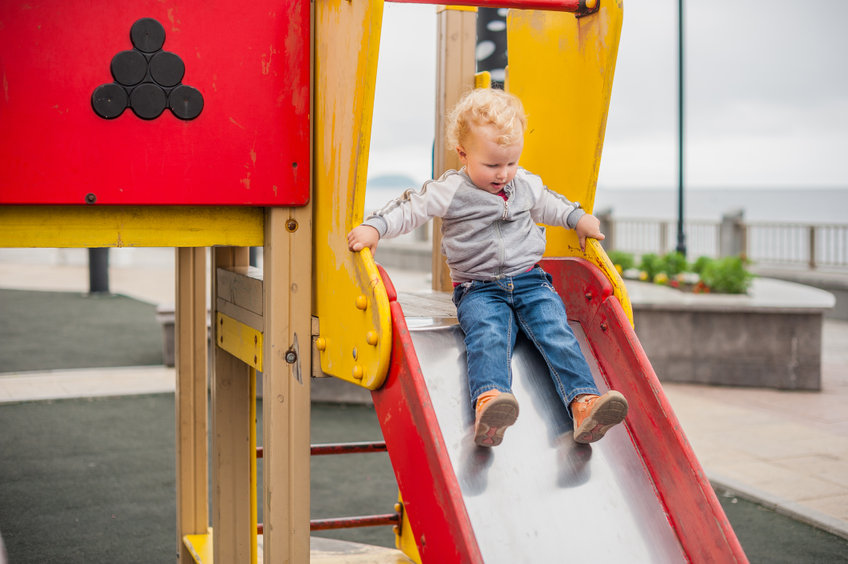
(487,106)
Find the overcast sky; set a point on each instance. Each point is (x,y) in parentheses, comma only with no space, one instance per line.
(766,95)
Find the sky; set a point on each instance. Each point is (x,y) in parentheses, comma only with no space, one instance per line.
(766,85)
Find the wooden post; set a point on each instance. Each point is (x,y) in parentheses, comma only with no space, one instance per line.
(190,397)
(455,68)
(231,518)
(287,358)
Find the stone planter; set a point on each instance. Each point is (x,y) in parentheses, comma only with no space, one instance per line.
(771,337)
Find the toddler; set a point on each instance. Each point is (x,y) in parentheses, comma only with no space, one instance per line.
(489,210)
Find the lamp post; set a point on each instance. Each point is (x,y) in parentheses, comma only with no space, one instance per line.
(681,236)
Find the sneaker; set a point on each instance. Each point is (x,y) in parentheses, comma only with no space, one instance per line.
(495,412)
(595,415)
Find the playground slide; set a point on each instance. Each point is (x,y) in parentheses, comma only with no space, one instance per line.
(638,495)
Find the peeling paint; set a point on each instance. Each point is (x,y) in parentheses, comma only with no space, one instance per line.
(174,21)
(266,63)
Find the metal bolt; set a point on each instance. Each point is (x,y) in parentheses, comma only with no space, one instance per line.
(588,296)
(291,225)
(604,326)
(291,357)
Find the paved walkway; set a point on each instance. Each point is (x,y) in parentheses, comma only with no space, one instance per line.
(787,450)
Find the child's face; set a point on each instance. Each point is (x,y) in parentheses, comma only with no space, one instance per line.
(489,165)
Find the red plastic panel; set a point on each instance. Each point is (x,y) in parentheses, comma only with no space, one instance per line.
(246,63)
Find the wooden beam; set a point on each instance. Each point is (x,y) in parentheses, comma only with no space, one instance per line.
(231,454)
(455,68)
(190,398)
(286,393)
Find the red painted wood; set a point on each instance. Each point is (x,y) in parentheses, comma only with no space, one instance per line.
(431,494)
(249,145)
(691,505)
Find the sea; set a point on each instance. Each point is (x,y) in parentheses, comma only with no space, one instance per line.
(817,206)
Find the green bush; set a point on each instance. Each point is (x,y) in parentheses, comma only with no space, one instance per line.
(622,259)
(699,265)
(727,275)
(674,263)
(651,264)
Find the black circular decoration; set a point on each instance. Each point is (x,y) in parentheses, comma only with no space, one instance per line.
(185,102)
(148,101)
(147,79)
(109,100)
(166,68)
(147,35)
(129,67)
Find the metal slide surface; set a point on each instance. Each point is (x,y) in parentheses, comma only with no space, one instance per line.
(539,496)
(638,495)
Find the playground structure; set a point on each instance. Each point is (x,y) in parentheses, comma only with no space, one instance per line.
(88,163)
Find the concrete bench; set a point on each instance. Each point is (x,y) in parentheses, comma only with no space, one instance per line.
(771,337)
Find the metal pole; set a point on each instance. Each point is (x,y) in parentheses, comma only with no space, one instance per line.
(98,270)
(681,236)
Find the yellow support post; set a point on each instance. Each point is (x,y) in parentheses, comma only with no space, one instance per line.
(350,299)
(562,66)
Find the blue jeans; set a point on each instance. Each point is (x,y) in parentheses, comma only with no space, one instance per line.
(491,313)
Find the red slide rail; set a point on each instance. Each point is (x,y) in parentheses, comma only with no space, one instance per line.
(428,485)
(692,507)
(581,7)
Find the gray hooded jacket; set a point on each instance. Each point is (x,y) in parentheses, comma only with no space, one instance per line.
(484,237)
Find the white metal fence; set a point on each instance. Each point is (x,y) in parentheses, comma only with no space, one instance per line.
(767,243)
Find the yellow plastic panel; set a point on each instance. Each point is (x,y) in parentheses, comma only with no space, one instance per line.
(404,539)
(350,298)
(130,226)
(240,340)
(200,547)
(562,67)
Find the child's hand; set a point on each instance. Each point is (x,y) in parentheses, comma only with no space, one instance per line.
(588,226)
(363,236)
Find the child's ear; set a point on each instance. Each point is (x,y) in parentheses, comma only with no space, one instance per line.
(462,154)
